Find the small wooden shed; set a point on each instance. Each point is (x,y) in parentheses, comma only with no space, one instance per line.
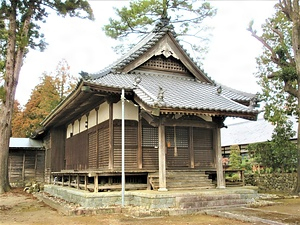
(173,115)
(26,161)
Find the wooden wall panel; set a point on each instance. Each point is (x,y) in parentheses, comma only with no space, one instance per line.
(181,159)
(93,152)
(26,165)
(131,144)
(149,146)
(77,151)
(57,146)
(177,147)
(103,139)
(150,158)
(203,147)
(15,165)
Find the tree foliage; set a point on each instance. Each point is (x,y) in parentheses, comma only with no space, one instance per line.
(51,90)
(20,21)
(279,66)
(140,16)
(235,158)
(64,81)
(279,153)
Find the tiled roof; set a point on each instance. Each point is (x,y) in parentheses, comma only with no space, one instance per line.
(248,132)
(179,92)
(235,94)
(140,48)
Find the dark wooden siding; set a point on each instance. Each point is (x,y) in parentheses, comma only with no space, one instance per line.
(57,146)
(203,147)
(103,138)
(93,152)
(131,145)
(26,165)
(88,149)
(77,151)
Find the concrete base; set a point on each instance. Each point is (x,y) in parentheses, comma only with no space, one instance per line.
(194,200)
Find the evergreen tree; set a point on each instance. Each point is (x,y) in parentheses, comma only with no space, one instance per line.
(235,158)
(19,31)
(186,16)
(279,66)
(279,153)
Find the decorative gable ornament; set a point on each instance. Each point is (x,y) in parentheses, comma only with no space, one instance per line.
(166,50)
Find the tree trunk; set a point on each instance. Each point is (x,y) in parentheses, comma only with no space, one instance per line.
(297,187)
(296,49)
(14,59)
(6,109)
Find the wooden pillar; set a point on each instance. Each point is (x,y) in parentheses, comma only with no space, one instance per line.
(85,182)
(111,137)
(218,158)
(77,181)
(23,166)
(140,149)
(162,157)
(97,137)
(96,185)
(191,146)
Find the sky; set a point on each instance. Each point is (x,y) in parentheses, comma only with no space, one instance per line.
(82,43)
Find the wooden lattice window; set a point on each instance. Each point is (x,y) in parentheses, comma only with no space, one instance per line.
(150,136)
(177,137)
(167,64)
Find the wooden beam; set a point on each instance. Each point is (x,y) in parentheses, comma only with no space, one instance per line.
(162,157)
(189,123)
(153,121)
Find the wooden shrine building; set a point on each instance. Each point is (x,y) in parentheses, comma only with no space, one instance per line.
(173,115)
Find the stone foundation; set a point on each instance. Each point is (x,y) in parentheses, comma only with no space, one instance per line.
(153,200)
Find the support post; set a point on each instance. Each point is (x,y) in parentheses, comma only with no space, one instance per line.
(111,137)
(162,157)
(123,147)
(140,149)
(96,184)
(218,157)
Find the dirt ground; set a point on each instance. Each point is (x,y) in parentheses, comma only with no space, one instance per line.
(18,207)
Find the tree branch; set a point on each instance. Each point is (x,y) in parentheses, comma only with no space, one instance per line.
(282,41)
(289,89)
(274,57)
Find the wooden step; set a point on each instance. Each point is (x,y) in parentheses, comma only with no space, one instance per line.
(179,180)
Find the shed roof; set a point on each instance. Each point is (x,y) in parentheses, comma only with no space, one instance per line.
(25,143)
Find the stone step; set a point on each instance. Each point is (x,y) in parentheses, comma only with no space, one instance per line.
(213,203)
